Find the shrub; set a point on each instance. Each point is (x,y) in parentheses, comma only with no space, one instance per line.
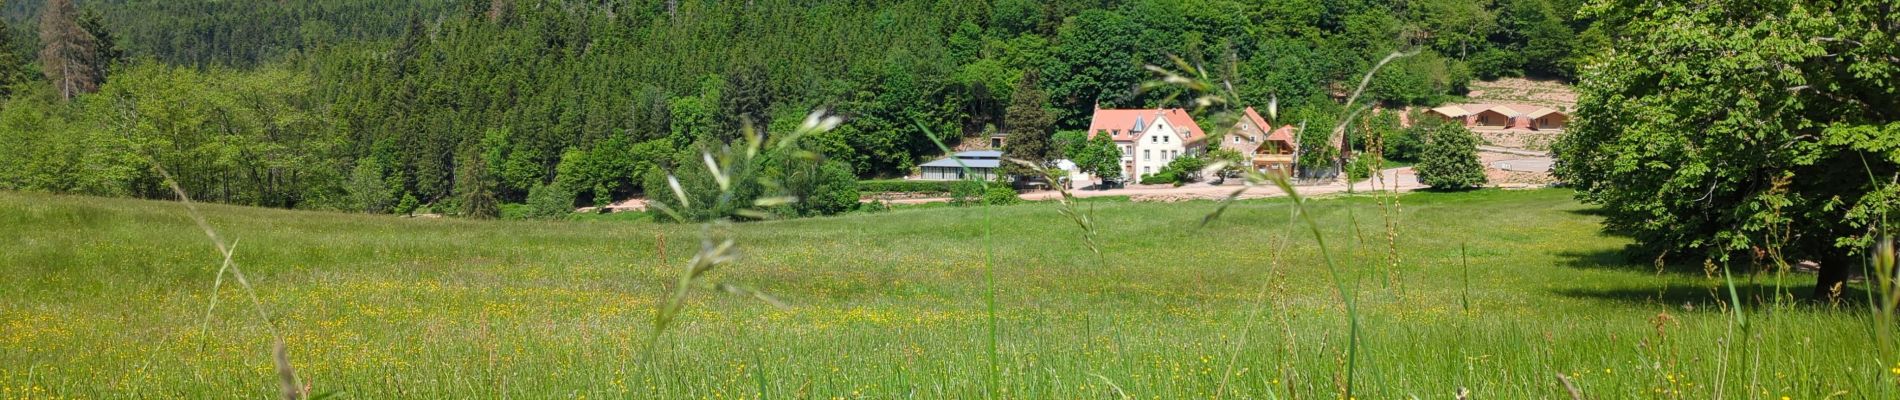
(874,206)
(513,211)
(1450,159)
(367,190)
(1001,195)
(1237,163)
(1406,144)
(821,187)
(965,193)
(548,201)
(1166,176)
(911,186)
(1181,171)
(1186,169)
(408,204)
(1359,169)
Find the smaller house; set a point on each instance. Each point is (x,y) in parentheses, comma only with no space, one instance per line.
(1269,149)
(982,164)
(1451,113)
(1493,117)
(1548,120)
(1277,153)
(1247,133)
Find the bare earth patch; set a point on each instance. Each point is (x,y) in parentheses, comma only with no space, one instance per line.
(1506,178)
(1545,93)
(1518,138)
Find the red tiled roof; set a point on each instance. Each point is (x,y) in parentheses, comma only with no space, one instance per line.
(1285,133)
(1121,123)
(1257,121)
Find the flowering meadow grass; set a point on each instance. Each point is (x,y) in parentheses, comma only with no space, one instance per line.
(1495,293)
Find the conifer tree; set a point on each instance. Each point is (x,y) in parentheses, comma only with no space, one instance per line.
(12,67)
(106,52)
(1029,122)
(67,58)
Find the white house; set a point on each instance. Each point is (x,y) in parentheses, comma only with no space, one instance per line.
(1149,138)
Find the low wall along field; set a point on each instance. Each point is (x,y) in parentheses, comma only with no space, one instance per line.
(1497,293)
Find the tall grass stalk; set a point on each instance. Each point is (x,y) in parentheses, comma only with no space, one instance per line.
(1253,316)
(994,375)
(1211,94)
(1346,296)
(1069,207)
(716,245)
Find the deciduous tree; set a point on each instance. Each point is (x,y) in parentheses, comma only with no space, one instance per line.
(1744,131)
(1450,160)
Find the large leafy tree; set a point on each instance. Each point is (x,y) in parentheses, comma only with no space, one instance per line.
(1098,156)
(1450,159)
(1733,130)
(1098,64)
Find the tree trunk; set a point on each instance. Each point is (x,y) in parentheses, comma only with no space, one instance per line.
(1836,267)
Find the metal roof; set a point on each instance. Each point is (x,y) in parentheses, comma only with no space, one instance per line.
(972,159)
(952,163)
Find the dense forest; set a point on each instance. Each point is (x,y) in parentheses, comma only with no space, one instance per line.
(236,33)
(384,106)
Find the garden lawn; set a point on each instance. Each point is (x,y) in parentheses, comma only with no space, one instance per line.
(108,298)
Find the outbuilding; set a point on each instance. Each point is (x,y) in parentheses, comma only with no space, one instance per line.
(1548,120)
(981,164)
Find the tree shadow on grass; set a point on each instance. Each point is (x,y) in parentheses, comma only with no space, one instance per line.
(1621,260)
(1589,212)
(1752,288)
(1714,296)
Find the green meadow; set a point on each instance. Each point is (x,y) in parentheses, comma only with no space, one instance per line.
(1501,294)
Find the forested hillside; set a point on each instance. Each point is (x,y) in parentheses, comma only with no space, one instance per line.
(239,33)
(359,105)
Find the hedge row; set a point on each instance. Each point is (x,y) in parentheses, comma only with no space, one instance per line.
(910,186)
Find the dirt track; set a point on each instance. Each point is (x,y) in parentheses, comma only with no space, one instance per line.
(1404,179)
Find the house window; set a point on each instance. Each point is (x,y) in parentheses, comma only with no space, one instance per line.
(1144,170)
(1145,155)
(1164,139)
